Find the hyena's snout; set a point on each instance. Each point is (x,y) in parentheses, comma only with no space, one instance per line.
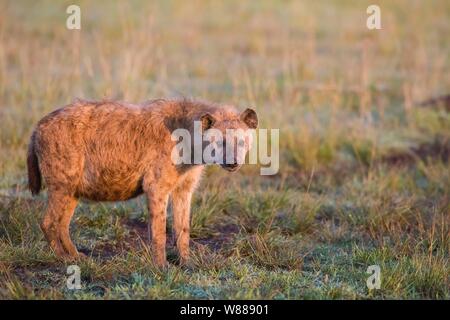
(232,166)
(233,159)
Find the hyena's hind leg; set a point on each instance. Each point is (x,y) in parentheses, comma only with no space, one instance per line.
(56,224)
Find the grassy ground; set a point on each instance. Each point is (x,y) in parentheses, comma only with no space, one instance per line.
(364,174)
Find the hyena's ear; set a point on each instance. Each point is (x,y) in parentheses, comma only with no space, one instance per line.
(250,118)
(207,121)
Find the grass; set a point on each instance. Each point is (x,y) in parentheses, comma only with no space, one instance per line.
(364,174)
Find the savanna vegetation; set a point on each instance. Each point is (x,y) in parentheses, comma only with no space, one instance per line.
(364,176)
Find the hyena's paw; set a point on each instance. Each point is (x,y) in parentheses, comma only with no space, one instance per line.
(185,261)
(161,265)
(79,256)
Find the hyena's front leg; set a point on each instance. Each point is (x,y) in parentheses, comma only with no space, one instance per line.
(157,206)
(181,203)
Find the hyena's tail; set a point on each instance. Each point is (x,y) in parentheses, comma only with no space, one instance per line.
(34,174)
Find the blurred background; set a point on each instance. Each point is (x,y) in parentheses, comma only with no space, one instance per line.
(363,119)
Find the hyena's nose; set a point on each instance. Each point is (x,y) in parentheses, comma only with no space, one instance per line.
(232,165)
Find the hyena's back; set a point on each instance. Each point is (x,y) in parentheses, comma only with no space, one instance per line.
(97,151)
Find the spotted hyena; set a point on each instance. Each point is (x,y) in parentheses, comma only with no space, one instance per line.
(110,151)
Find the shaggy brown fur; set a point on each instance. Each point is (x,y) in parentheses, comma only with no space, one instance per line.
(109,151)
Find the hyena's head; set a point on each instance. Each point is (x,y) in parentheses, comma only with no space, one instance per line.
(230,137)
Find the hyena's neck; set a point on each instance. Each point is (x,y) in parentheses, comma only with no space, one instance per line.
(182,113)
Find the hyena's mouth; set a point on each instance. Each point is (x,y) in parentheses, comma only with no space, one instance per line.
(231,167)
